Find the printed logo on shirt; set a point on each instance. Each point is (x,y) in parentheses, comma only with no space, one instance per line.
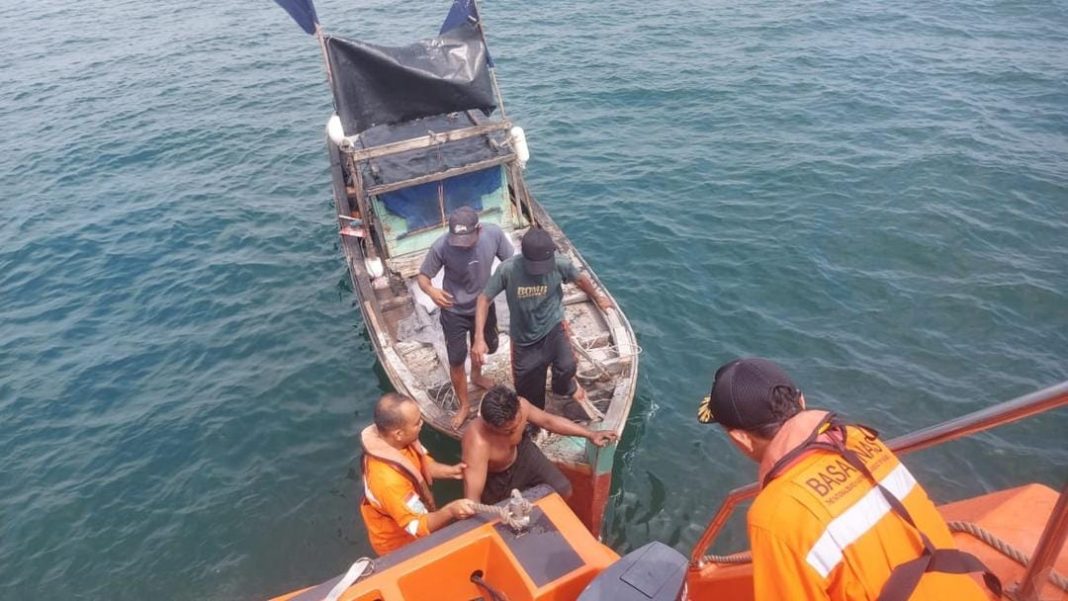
(414,503)
(531,291)
(835,479)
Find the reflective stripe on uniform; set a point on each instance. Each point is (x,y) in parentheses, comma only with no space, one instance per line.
(414,503)
(370,496)
(856,521)
(412,527)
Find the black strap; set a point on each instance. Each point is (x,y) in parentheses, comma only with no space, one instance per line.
(799,450)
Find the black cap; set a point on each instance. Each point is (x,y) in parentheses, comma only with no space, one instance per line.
(463,227)
(741,394)
(538,252)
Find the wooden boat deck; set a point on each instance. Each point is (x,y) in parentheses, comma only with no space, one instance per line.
(601,362)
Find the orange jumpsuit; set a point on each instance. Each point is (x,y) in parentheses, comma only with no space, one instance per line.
(396,494)
(821,530)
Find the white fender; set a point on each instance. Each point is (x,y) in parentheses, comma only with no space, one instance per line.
(334,131)
(519,143)
(375,268)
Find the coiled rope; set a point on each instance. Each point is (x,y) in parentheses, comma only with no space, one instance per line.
(516,514)
(956,526)
(1004,548)
(733,558)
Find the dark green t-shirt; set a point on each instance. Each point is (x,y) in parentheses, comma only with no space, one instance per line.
(535,302)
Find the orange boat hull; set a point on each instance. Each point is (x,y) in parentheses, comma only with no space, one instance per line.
(554,561)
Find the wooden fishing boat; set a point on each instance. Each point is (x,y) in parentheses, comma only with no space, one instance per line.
(1018,533)
(418,132)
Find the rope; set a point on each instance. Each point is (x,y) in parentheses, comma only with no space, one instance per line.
(733,558)
(599,370)
(516,514)
(1004,548)
(966,527)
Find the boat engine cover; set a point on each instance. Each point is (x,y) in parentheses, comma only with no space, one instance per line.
(653,572)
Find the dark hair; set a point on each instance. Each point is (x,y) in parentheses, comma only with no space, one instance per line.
(499,405)
(388,416)
(785,402)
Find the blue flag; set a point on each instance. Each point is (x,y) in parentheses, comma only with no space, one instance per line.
(464,11)
(303,12)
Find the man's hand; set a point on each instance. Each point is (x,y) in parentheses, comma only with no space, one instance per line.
(601,437)
(454,472)
(461,509)
(479,350)
(440,297)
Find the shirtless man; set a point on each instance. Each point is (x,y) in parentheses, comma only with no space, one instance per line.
(499,455)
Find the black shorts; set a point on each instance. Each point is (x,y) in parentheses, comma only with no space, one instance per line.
(530,468)
(459,328)
(531,361)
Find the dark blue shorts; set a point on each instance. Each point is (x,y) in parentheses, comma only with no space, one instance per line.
(459,328)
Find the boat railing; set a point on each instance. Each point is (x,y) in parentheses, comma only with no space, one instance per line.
(984,419)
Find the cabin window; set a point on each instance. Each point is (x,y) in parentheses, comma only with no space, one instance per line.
(412,218)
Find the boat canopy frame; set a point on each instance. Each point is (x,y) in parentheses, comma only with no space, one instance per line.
(358,158)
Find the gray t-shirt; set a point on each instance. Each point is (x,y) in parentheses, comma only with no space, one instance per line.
(535,302)
(466,269)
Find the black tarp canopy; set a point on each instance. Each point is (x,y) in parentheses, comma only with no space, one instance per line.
(380,85)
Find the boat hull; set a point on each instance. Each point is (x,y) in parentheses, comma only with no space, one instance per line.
(553,561)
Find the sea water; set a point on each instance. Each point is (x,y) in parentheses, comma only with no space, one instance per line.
(872,193)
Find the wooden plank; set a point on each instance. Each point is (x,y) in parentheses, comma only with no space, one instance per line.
(434,177)
(432,139)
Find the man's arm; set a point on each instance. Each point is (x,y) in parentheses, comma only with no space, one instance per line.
(441,471)
(505,250)
(406,509)
(440,297)
(586,285)
(479,348)
(476,458)
(456,510)
(566,427)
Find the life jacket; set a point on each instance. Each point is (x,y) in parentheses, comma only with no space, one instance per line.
(375,447)
(830,435)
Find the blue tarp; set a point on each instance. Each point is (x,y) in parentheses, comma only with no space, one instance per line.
(419,206)
(464,11)
(303,12)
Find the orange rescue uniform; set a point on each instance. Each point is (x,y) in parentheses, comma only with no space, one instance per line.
(820,529)
(396,494)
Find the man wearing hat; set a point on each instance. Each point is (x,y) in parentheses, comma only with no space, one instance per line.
(466,252)
(533,284)
(838,516)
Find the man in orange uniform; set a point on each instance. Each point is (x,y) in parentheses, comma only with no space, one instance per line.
(398,506)
(838,516)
